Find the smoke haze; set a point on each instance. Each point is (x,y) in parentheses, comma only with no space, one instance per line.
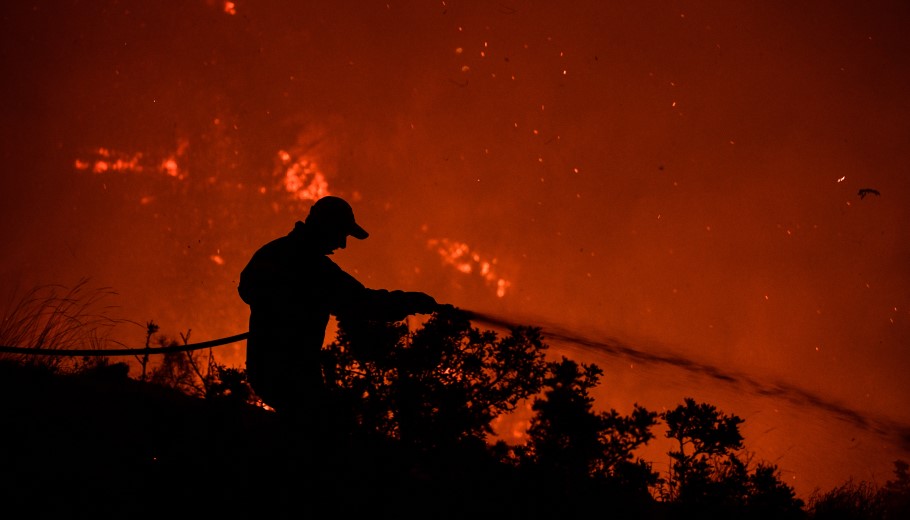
(682,177)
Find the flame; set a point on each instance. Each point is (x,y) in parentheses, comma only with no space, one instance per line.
(301,177)
(105,160)
(459,255)
(226,6)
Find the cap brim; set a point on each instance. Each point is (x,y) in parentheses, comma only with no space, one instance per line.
(358,232)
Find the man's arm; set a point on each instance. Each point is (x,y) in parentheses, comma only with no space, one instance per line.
(380,304)
(358,302)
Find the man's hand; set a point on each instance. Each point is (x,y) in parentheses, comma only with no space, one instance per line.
(421,303)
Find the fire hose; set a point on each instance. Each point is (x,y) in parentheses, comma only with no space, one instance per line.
(123,351)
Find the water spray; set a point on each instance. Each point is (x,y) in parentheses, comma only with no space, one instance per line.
(895,431)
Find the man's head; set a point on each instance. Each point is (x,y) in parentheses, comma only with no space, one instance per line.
(331,219)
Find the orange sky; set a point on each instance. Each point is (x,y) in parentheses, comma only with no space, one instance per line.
(681,177)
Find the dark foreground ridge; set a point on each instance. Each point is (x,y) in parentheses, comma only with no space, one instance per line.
(107,446)
(98,444)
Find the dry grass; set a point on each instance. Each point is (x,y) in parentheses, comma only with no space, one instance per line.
(56,317)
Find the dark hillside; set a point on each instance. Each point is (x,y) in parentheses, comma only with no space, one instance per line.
(107,446)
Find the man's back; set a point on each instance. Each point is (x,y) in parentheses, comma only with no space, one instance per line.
(291,290)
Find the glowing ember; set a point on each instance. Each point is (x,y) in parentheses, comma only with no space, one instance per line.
(459,255)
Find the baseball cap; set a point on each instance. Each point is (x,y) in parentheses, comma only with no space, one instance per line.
(335,212)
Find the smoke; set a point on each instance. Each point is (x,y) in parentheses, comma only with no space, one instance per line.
(683,172)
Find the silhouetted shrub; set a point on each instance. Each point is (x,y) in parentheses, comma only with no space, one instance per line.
(437,386)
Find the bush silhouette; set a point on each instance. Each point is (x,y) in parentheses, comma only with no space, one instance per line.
(436,387)
(415,411)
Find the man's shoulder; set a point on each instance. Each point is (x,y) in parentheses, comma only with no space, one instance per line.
(326,263)
(286,249)
(281,246)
